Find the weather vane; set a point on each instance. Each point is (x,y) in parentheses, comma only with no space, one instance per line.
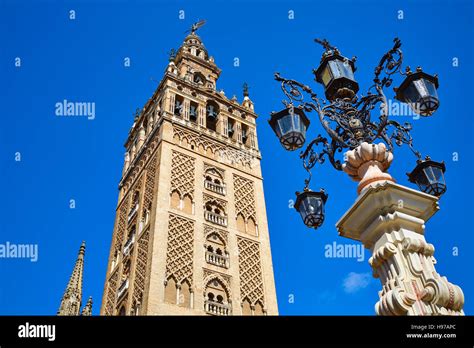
(325,43)
(196,26)
(245,88)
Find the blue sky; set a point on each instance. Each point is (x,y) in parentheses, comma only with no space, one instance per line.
(80,159)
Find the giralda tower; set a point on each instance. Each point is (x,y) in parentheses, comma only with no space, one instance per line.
(191,233)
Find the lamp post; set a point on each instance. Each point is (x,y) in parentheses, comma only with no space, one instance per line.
(388,218)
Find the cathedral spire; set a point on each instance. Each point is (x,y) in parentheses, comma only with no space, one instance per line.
(71,300)
(87,310)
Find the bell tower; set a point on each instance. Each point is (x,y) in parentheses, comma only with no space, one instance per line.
(191,233)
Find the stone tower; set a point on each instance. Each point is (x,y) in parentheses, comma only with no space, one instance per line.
(191,233)
(72,298)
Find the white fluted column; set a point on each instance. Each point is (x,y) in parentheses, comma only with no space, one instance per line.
(389,219)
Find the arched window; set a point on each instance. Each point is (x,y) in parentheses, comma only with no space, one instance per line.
(199,78)
(179,106)
(246,308)
(175,200)
(193,112)
(187,204)
(214,181)
(210,296)
(122,311)
(245,134)
(252,227)
(170,291)
(217,300)
(258,309)
(131,231)
(212,114)
(240,223)
(126,269)
(136,196)
(216,253)
(215,213)
(231,128)
(185,295)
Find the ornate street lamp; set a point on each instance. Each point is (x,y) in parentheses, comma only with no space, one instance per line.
(419,91)
(310,205)
(348,119)
(429,176)
(290,126)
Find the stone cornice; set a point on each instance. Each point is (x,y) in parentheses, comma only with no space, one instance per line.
(383,199)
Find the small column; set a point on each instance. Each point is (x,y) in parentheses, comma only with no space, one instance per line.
(238,130)
(389,219)
(202,115)
(225,125)
(171,103)
(186,106)
(178,294)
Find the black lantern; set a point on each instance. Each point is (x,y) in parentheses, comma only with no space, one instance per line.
(310,205)
(290,127)
(429,176)
(419,91)
(336,73)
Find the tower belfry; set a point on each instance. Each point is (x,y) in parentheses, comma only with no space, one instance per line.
(72,298)
(191,233)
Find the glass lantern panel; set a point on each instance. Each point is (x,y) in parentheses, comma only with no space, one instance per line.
(411,94)
(296,122)
(341,69)
(336,72)
(430,86)
(312,205)
(434,174)
(326,75)
(285,124)
(421,88)
(422,180)
(346,69)
(276,128)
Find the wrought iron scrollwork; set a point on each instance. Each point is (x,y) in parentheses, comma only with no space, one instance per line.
(350,121)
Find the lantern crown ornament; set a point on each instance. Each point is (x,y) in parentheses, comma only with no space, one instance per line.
(356,124)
